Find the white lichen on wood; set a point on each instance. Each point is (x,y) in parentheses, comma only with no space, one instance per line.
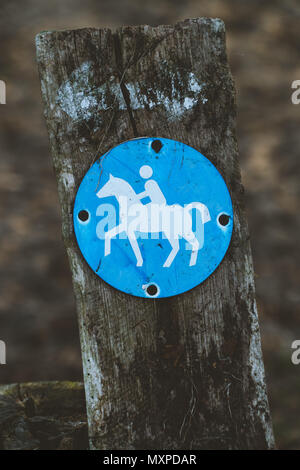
(80,99)
(77,270)
(68,181)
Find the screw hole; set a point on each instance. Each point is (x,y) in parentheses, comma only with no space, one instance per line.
(83,216)
(156,145)
(224,219)
(152,290)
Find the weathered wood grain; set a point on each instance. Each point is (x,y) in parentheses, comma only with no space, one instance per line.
(43,416)
(179,373)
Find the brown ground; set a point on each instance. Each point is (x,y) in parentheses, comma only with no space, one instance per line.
(37,310)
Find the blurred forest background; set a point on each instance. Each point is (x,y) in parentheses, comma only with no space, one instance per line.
(37,308)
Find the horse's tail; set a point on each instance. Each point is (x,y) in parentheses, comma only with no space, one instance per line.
(204,217)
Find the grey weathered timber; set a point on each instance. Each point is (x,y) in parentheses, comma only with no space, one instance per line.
(43,416)
(178,373)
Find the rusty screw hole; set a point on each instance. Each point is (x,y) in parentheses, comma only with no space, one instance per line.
(152,290)
(156,145)
(83,215)
(224,219)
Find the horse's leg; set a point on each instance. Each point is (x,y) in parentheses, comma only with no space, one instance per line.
(174,242)
(136,249)
(195,248)
(109,235)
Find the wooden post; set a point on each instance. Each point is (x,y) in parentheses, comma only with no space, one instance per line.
(178,373)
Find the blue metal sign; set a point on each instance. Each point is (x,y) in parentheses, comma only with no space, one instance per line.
(153,217)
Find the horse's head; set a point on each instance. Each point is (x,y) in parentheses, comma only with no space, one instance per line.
(117,187)
(109,189)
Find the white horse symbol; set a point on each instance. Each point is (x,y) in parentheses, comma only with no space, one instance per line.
(173,221)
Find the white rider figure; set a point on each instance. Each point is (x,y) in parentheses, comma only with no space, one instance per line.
(152,190)
(154,217)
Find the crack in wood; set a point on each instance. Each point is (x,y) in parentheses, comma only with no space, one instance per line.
(123,88)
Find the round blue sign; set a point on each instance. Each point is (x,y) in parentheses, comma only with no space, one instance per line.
(153,217)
